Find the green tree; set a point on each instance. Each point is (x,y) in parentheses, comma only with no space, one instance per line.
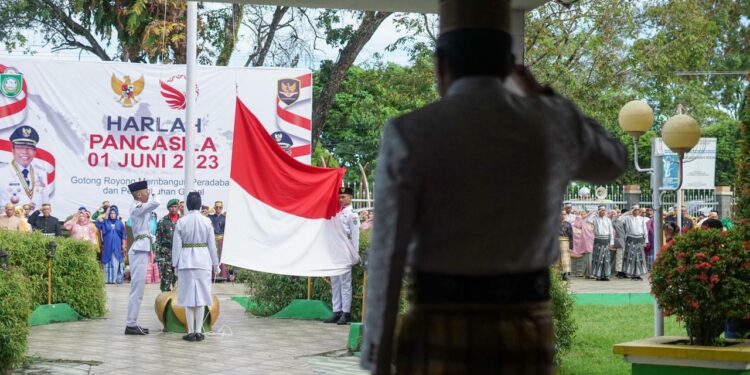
(604,53)
(368,98)
(742,182)
(727,134)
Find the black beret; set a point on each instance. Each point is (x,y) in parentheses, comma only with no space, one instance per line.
(346,190)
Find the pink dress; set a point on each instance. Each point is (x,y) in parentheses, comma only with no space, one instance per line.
(85,231)
(583,238)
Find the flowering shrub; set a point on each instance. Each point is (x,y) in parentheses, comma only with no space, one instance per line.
(703,278)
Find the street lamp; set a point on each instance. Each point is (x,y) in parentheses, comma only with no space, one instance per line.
(680,133)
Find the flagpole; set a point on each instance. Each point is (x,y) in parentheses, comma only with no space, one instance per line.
(192,28)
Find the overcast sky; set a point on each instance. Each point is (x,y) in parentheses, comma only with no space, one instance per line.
(385,35)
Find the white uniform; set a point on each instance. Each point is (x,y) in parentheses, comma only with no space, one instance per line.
(14,189)
(341,286)
(138,255)
(193,256)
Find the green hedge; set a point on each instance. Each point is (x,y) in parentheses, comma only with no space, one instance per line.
(562,313)
(272,293)
(15,309)
(77,277)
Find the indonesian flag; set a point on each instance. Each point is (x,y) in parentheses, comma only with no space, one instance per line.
(283,212)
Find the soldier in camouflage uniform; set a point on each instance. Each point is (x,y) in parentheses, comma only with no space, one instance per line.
(164,233)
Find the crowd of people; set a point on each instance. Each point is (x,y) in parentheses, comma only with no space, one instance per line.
(600,243)
(107,230)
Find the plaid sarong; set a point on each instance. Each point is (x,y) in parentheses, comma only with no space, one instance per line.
(600,264)
(476,339)
(633,260)
(564,254)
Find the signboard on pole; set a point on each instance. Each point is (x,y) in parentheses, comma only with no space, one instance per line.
(699,167)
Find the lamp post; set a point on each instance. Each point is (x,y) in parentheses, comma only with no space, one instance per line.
(680,133)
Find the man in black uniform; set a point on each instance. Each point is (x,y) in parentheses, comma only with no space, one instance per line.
(46,223)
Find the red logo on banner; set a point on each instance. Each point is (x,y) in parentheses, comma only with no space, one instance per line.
(174,97)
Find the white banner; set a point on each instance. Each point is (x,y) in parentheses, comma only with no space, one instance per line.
(104,125)
(699,165)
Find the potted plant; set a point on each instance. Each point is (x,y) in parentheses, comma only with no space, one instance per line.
(702,278)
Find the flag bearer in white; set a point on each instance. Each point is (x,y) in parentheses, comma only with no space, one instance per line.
(139,252)
(341,286)
(193,256)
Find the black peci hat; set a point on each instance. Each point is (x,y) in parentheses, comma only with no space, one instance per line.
(138,185)
(346,190)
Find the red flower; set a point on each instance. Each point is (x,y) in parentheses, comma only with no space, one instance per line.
(702,277)
(681,254)
(746,265)
(714,279)
(703,265)
(680,268)
(746,244)
(695,304)
(700,255)
(715,258)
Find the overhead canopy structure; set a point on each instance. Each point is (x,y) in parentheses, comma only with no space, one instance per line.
(417,6)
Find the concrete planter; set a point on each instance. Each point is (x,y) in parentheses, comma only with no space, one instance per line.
(665,356)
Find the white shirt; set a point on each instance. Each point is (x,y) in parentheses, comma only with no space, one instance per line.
(194,228)
(350,221)
(635,226)
(139,213)
(425,219)
(602,227)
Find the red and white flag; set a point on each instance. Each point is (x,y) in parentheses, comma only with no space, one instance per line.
(282,218)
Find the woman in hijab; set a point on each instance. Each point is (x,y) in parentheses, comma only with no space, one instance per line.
(81,228)
(583,245)
(113,235)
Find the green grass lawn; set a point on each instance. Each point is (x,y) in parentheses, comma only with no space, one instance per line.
(602,326)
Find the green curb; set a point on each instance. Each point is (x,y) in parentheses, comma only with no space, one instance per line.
(355,337)
(54,313)
(613,298)
(643,369)
(305,309)
(174,325)
(246,302)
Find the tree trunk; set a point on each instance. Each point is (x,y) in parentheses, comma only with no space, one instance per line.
(370,23)
(259,57)
(231,25)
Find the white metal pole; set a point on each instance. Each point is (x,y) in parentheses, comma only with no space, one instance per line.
(192,28)
(656,182)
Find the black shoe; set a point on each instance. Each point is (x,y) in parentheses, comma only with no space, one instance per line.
(135,331)
(605,278)
(190,337)
(144,330)
(201,337)
(621,275)
(637,278)
(344,320)
(565,276)
(335,318)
